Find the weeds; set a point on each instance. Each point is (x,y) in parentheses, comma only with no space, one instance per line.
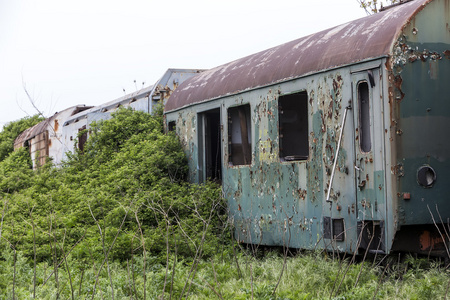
(119,222)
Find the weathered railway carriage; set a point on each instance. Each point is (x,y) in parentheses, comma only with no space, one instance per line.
(337,140)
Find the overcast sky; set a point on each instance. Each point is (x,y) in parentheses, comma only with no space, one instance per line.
(87,51)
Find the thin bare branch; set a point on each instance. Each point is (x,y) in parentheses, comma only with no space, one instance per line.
(109,250)
(440,233)
(62,260)
(104,249)
(144,251)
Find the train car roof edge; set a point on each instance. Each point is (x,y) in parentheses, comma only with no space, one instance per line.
(363,39)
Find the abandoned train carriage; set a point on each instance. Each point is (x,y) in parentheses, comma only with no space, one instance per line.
(336,140)
(65,131)
(144,100)
(46,139)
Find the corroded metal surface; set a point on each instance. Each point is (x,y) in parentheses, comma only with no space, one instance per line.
(45,139)
(30,133)
(377,201)
(359,40)
(142,100)
(419,105)
(52,121)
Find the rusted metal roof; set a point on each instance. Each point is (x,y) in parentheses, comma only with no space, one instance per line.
(30,133)
(37,129)
(363,39)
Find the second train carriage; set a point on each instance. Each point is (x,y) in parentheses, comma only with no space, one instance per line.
(56,136)
(144,100)
(337,140)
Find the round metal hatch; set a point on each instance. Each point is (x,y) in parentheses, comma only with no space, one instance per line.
(426,176)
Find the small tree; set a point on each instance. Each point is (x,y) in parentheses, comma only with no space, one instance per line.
(372,7)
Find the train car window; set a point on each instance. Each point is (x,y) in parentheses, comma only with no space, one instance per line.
(172,126)
(293,126)
(239,135)
(364,117)
(82,138)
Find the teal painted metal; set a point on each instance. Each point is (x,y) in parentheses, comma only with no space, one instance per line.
(422,110)
(399,126)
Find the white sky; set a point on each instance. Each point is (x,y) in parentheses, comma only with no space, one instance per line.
(88,51)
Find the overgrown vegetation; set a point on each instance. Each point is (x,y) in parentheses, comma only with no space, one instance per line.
(374,6)
(306,276)
(118,221)
(123,198)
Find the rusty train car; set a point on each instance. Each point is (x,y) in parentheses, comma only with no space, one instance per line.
(60,134)
(337,140)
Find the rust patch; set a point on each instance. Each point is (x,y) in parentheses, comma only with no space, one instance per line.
(447,54)
(430,242)
(412,58)
(294,59)
(398,85)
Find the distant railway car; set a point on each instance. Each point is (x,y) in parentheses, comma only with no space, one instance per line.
(144,100)
(58,135)
(338,140)
(46,138)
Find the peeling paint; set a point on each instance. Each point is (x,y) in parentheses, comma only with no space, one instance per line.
(272,199)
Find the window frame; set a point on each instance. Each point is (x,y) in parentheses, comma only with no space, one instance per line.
(364,125)
(301,152)
(242,130)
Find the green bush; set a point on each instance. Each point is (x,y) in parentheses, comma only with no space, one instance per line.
(120,219)
(15,172)
(125,192)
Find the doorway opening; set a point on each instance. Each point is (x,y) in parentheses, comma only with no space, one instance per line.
(211,154)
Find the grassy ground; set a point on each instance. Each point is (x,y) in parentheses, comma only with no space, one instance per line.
(118,221)
(225,276)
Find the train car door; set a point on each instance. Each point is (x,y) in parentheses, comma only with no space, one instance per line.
(210,147)
(369,157)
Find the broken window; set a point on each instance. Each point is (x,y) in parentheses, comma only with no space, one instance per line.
(82,138)
(239,135)
(364,117)
(293,126)
(172,126)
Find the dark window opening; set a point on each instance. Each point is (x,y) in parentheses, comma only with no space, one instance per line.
(212,154)
(326,227)
(293,126)
(82,138)
(239,135)
(80,109)
(172,126)
(364,117)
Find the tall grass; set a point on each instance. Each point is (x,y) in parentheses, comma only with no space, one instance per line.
(306,276)
(119,222)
